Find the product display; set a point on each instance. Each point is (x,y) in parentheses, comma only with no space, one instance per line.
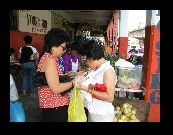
(125,113)
(129,77)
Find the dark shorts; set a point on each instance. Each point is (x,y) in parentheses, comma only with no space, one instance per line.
(57,114)
(86,112)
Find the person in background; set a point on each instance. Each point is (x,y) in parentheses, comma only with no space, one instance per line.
(71,60)
(12,58)
(100,108)
(15,67)
(29,64)
(132,59)
(54,106)
(139,60)
(133,50)
(61,62)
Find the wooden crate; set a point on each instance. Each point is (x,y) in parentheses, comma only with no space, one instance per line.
(142,107)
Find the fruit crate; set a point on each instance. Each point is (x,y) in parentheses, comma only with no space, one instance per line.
(142,107)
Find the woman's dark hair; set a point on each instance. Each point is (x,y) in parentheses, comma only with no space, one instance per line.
(54,37)
(92,50)
(28,39)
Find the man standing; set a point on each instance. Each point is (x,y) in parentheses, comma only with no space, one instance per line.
(29,64)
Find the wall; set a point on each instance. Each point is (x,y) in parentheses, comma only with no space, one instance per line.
(151,64)
(16,41)
(35,23)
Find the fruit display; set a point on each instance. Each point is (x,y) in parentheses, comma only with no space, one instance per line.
(125,113)
(129,77)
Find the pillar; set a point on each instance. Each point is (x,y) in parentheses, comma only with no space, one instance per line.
(115,28)
(111,36)
(108,39)
(151,64)
(123,36)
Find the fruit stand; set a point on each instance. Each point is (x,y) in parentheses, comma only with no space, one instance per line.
(141,108)
(128,108)
(129,78)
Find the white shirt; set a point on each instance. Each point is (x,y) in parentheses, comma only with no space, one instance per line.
(98,106)
(12,58)
(33,49)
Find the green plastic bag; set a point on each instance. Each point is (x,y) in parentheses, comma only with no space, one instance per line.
(76,112)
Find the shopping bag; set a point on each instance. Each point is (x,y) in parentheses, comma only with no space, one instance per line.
(76,112)
(17,113)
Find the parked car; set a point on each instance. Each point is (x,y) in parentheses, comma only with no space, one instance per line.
(141,50)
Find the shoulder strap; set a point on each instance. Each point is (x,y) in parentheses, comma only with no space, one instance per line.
(22,48)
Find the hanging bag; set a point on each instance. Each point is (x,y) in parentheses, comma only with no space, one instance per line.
(40,80)
(17,113)
(76,112)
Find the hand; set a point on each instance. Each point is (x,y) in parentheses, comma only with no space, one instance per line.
(80,86)
(75,78)
(81,73)
(71,74)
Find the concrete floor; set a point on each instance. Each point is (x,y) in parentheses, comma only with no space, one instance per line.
(31,108)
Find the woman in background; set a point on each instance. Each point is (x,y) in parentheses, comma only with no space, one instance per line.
(71,60)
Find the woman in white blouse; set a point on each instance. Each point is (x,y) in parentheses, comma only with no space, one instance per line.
(100,107)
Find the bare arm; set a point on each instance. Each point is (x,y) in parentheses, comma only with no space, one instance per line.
(52,77)
(36,59)
(19,55)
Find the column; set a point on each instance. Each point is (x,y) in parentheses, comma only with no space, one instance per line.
(123,33)
(151,64)
(115,28)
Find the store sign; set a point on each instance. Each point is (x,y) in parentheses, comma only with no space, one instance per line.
(35,21)
(38,24)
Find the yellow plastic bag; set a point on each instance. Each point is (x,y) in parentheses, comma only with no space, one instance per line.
(76,112)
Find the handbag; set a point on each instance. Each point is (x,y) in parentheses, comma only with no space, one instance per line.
(17,113)
(76,111)
(63,79)
(40,80)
